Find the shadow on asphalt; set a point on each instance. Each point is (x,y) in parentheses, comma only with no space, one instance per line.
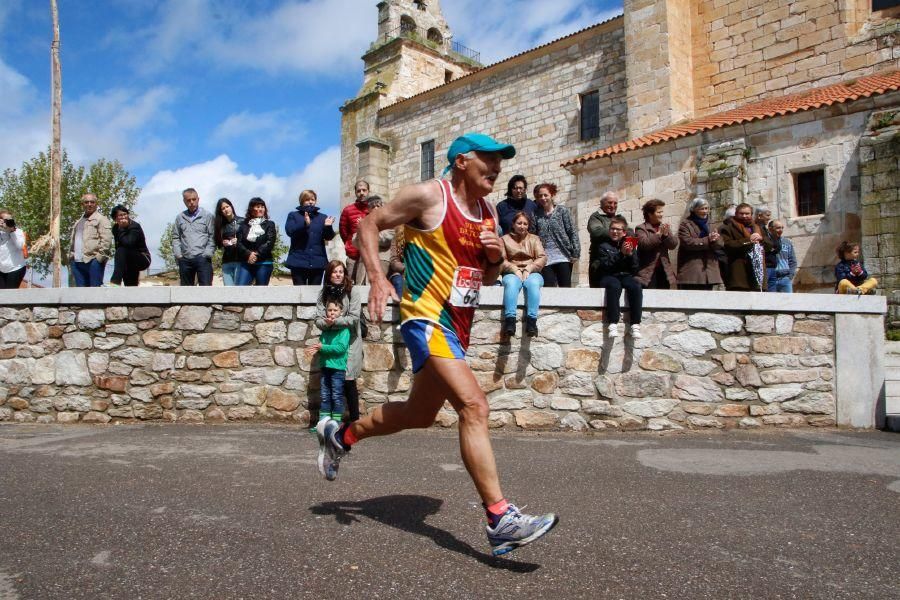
(408,513)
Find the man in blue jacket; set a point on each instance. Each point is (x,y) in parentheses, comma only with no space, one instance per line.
(781,263)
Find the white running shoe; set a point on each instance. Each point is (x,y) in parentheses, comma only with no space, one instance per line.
(516,529)
(636,332)
(612,330)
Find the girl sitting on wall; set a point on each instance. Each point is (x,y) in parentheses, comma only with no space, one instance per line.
(850,274)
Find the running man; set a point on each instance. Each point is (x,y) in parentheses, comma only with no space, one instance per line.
(452,248)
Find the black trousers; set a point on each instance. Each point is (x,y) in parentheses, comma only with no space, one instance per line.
(695,286)
(128,266)
(558,275)
(195,271)
(614,285)
(12,280)
(307,276)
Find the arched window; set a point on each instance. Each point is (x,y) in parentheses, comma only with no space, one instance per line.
(420,4)
(407,25)
(435,36)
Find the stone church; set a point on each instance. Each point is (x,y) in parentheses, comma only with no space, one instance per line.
(789,104)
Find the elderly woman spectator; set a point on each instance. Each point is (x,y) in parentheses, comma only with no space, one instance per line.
(655,239)
(308,229)
(256,241)
(226,224)
(698,248)
(617,265)
(132,255)
(13,252)
(745,246)
(522,270)
(762,216)
(598,230)
(558,235)
(517,201)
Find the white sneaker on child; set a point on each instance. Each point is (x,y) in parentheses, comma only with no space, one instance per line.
(612,330)
(636,332)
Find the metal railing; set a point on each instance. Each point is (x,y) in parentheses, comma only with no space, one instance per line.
(419,34)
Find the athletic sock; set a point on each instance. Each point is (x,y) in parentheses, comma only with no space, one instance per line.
(345,436)
(495,511)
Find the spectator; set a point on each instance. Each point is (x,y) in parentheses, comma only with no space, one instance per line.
(698,263)
(720,252)
(256,241)
(397,264)
(850,274)
(91,245)
(516,201)
(339,287)
(762,217)
(384,237)
(308,229)
(13,252)
(781,268)
(617,265)
(598,230)
(132,255)
(522,270)
(333,346)
(745,246)
(350,218)
(194,241)
(655,239)
(558,235)
(226,226)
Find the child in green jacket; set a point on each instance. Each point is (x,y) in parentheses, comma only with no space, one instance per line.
(332,348)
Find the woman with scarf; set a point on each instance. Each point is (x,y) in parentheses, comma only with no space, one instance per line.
(308,229)
(338,287)
(698,250)
(745,246)
(132,255)
(256,240)
(226,225)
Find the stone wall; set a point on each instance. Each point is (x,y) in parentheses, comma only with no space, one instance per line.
(751,49)
(755,163)
(751,365)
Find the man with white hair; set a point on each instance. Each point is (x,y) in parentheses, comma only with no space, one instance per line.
(781,263)
(598,230)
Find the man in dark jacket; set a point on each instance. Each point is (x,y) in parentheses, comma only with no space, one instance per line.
(598,230)
(516,200)
(616,265)
(308,229)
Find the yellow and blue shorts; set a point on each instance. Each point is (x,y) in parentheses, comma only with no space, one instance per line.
(425,339)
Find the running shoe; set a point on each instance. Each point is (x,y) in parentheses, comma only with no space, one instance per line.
(319,431)
(333,451)
(516,529)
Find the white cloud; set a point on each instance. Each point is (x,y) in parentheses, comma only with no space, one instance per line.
(160,199)
(265,131)
(110,124)
(324,37)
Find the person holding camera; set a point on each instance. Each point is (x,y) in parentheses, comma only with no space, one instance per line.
(13,252)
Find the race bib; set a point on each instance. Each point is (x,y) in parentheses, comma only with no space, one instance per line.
(466,287)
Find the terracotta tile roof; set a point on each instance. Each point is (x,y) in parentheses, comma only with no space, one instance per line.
(505,60)
(863,87)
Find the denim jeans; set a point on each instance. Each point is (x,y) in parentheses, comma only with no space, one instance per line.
(260,273)
(511,286)
(781,284)
(229,273)
(88,274)
(397,281)
(332,390)
(195,271)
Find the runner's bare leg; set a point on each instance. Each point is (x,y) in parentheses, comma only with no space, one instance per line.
(440,379)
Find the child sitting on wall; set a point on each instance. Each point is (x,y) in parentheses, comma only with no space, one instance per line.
(850,274)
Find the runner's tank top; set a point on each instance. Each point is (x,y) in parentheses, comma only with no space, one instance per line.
(445,267)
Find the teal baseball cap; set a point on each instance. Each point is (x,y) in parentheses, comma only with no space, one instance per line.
(479,142)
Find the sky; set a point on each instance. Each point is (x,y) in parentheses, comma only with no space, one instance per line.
(236,98)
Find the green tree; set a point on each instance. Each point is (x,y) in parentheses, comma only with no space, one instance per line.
(26,192)
(165,248)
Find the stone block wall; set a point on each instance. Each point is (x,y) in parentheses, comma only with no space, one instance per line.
(215,363)
(745,50)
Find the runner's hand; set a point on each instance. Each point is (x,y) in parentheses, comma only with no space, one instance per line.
(493,247)
(380,291)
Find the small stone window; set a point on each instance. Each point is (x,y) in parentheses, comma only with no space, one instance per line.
(884,4)
(448,76)
(435,36)
(590,116)
(809,192)
(420,4)
(427,169)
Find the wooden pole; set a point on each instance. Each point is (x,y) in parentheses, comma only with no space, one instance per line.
(55,147)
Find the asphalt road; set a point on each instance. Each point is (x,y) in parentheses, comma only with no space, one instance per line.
(170,511)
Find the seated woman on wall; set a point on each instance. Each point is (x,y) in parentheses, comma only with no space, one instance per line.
(132,255)
(617,265)
(558,235)
(655,239)
(256,240)
(522,270)
(850,275)
(698,262)
(745,246)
